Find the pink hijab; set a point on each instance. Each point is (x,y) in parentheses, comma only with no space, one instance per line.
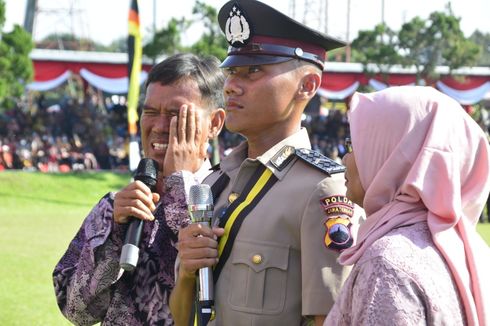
(422,158)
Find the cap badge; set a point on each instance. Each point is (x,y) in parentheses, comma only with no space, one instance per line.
(237,29)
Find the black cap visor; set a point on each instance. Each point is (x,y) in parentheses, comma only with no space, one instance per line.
(237,60)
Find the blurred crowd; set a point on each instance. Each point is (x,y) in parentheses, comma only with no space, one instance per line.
(72,134)
(63,135)
(90,133)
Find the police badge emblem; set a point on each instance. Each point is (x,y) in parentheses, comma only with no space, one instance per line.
(237,28)
(338,235)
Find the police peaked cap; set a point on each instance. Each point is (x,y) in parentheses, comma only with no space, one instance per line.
(260,34)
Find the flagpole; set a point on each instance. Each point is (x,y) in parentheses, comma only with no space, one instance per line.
(135,53)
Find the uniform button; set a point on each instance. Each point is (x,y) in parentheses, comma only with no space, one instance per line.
(256,259)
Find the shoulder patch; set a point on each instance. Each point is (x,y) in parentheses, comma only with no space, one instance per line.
(319,161)
(337,205)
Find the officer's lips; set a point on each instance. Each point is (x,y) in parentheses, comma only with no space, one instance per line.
(232,105)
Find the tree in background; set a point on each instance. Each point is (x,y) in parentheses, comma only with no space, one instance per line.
(377,47)
(167,40)
(437,41)
(118,45)
(67,41)
(483,41)
(15,65)
(422,44)
(212,42)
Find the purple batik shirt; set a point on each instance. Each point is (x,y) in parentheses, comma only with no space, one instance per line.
(87,283)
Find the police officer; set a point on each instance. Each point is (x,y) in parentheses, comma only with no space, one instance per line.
(281,214)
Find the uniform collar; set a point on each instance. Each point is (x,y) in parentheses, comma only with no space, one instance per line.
(299,139)
(239,154)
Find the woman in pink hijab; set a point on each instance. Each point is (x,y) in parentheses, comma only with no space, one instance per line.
(420,168)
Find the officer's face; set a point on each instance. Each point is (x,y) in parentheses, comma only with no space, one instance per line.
(259,100)
(355,191)
(162,102)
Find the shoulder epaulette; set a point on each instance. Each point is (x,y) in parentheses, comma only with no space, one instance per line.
(319,161)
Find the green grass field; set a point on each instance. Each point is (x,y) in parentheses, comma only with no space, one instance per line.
(484,230)
(40,214)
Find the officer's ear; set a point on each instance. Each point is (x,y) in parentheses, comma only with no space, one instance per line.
(309,84)
(216,122)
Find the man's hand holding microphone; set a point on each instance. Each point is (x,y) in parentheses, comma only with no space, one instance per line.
(185,151)
(198,253)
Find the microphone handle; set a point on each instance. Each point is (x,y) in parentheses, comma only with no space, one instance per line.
(206,293)
(147,172)
(206,284)
(130,249)
(135,229)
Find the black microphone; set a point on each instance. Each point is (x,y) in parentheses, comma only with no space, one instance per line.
(201,211)
(146,172)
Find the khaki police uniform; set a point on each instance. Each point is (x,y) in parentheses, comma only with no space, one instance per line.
(280,267)
(285,213)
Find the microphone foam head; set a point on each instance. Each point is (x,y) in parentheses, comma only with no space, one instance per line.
(200,195)
(147,172)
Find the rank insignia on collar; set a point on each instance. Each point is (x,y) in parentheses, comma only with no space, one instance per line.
(237,29)
(232,197)
(283,157)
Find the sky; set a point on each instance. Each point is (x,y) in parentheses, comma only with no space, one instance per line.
(106,20)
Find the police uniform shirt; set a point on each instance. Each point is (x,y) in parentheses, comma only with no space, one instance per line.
(280,267)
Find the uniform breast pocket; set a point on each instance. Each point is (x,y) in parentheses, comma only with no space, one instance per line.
(258,277)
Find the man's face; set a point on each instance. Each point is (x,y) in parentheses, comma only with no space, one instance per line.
(163,102)
(259,98)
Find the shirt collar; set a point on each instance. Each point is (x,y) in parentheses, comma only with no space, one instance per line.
(299,139)
(203,171)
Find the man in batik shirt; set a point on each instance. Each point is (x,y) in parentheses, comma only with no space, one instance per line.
(182,110)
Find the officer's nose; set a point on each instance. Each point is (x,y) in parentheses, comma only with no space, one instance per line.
(232,87)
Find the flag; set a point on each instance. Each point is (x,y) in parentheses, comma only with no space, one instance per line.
(134,70)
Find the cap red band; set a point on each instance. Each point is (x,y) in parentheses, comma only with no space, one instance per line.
(280,47)
(306,47)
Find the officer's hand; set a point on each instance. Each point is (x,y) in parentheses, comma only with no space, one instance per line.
(198,248)
(136,200)
(187,143)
